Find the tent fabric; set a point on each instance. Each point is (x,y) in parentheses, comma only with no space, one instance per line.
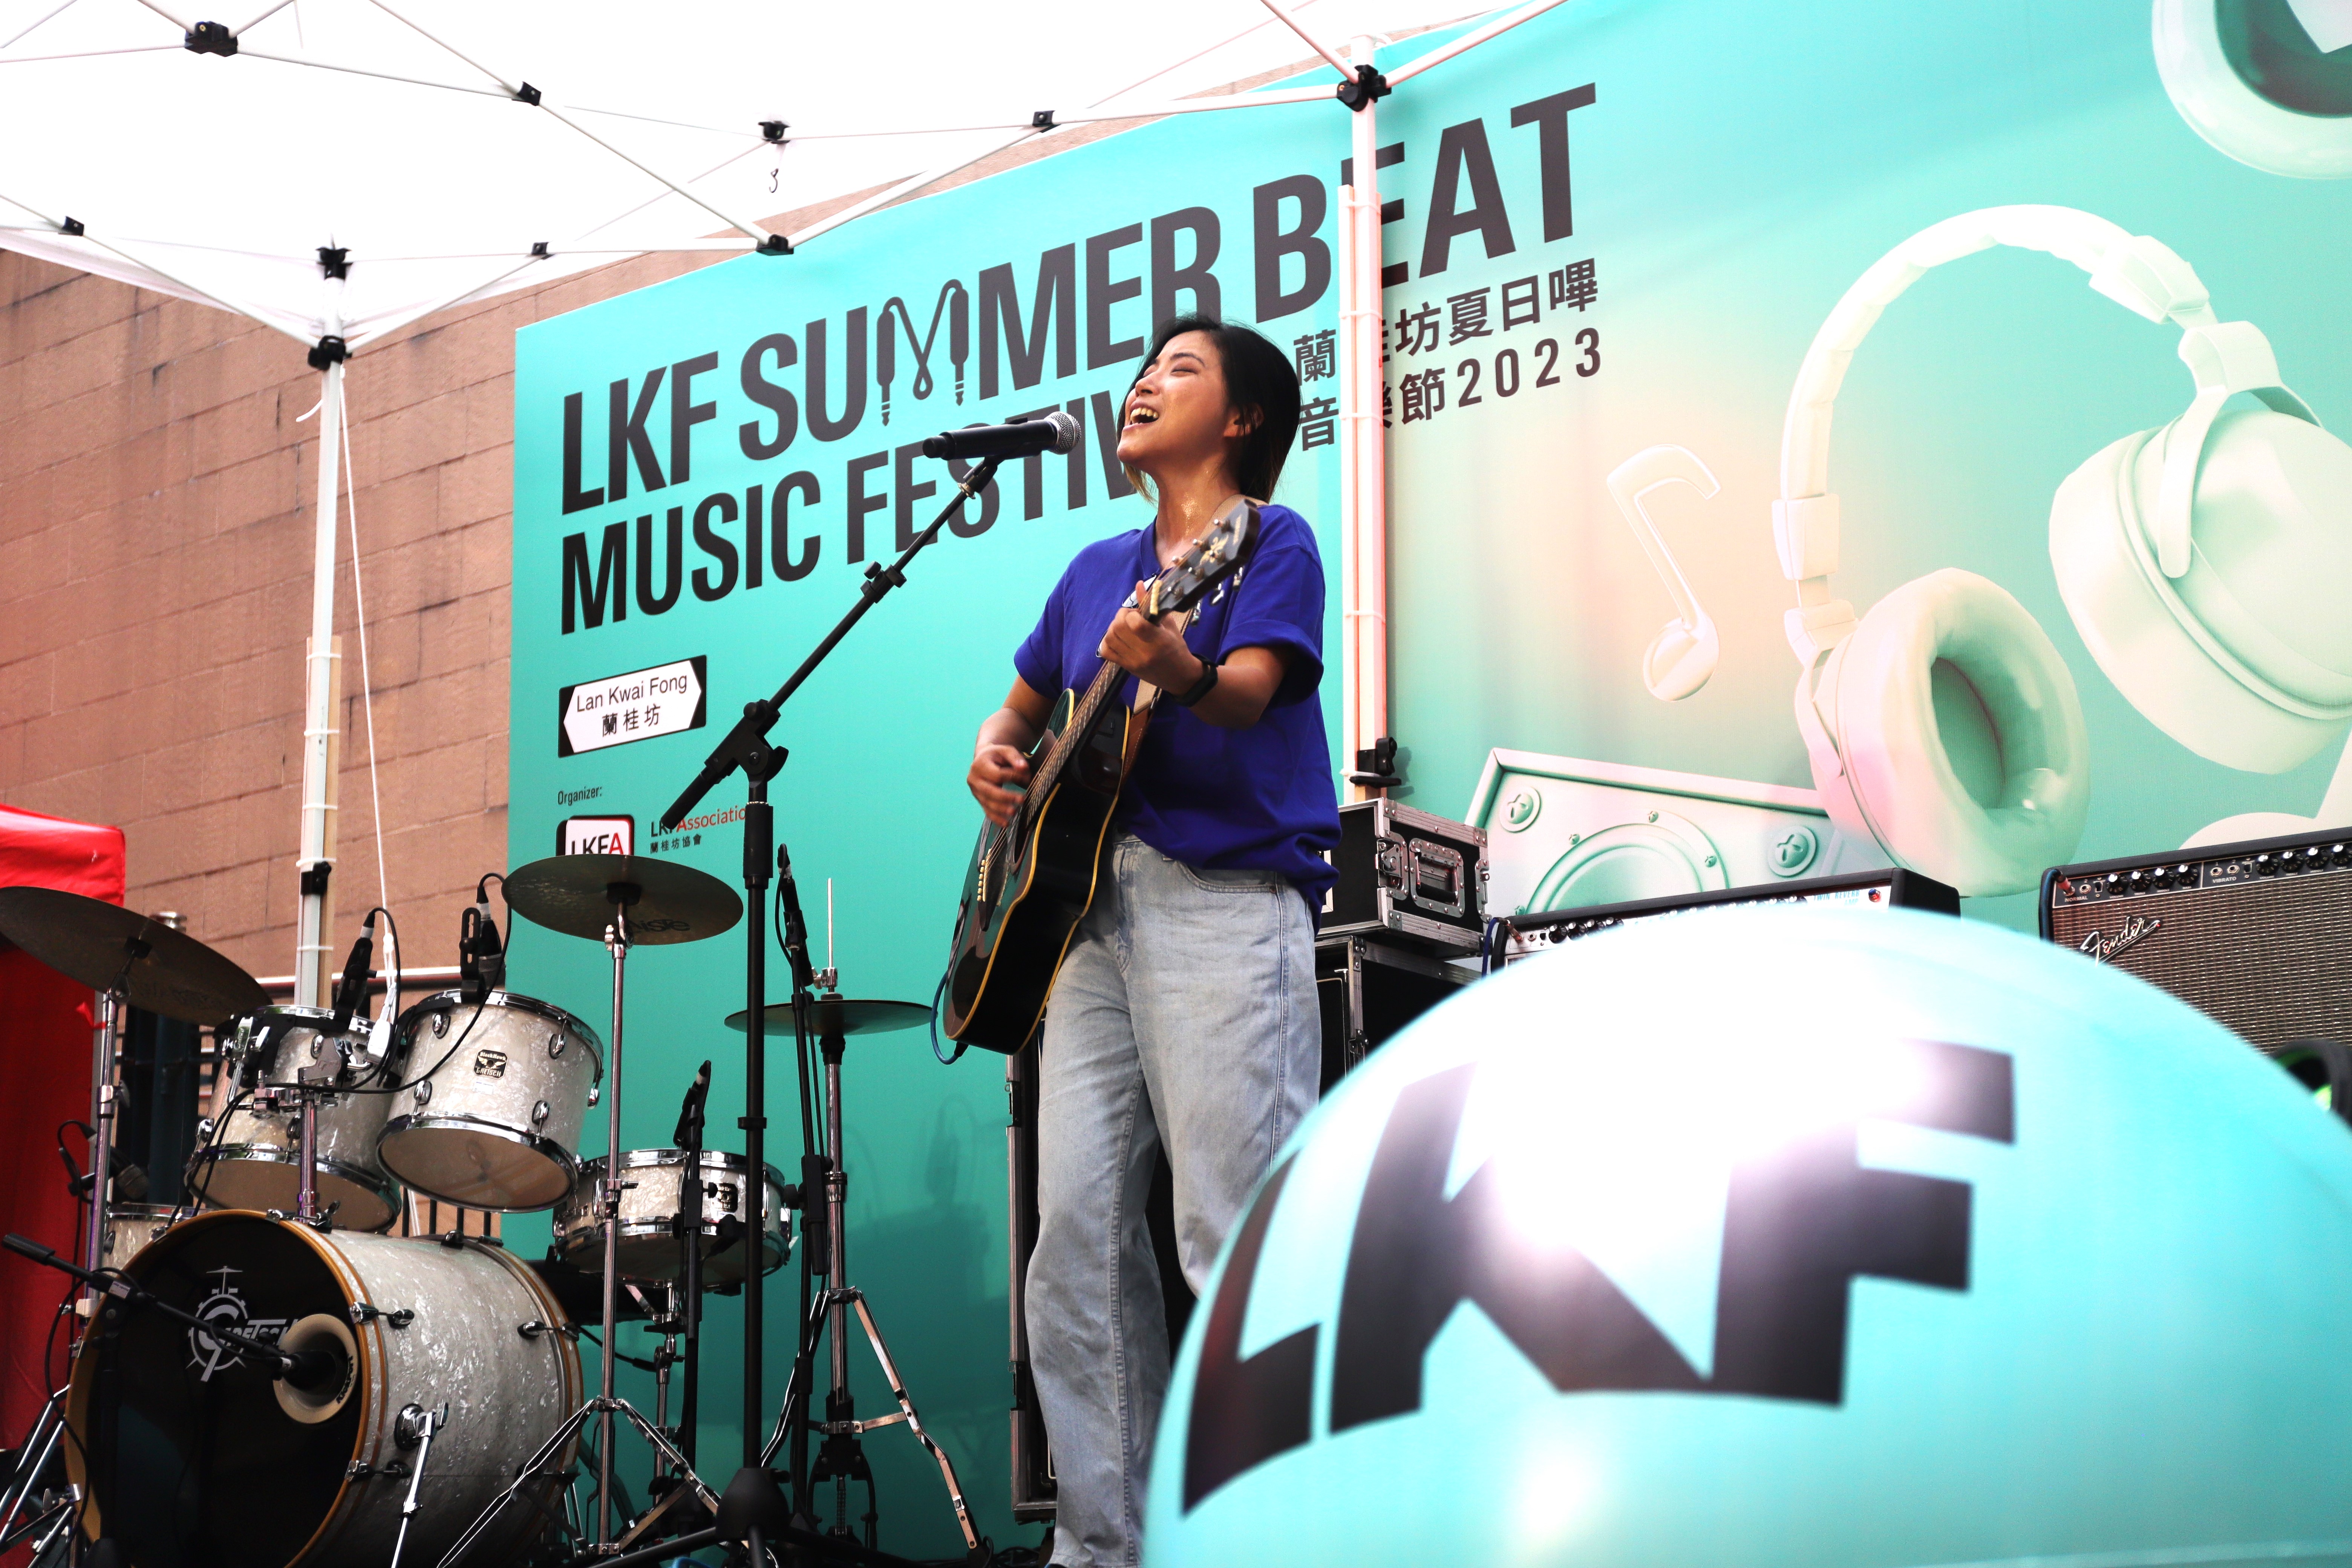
(46,1021)
(437,144)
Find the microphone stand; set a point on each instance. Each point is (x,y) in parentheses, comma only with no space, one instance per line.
(746,746)
(689,1229)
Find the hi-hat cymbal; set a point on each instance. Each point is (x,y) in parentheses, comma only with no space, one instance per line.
(667,901)
(101,944)
(839,1015)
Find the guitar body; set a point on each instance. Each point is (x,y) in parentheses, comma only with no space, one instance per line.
(1024,901)
(1032,881)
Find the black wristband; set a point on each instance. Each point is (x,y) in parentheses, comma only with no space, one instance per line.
(1200,689)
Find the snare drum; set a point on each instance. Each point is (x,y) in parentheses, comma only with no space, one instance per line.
(130,1226)
(649,1252)
(218,1461)
(256,1160)
(493,1119)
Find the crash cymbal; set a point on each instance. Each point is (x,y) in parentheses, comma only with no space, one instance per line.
(103,945)
(839,1015)
(667,901)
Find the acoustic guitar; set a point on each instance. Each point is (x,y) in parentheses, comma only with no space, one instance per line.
(1032,881)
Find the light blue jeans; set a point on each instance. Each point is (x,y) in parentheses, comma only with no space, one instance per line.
(1183,1018)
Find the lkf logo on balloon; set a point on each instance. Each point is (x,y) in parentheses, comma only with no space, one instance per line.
(1801,1219)
(995,338)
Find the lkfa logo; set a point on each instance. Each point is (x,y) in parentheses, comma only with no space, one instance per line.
(1802,1219)
(226,1309)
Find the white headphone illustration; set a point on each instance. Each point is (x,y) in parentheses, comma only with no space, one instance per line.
(2199,562)
(2269,84)
(1680,659)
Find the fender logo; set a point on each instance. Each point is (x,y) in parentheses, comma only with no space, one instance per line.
(2136,929)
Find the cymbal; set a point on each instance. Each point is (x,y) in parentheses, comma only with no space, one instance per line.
(839,1015)
(575,894)
(98,944)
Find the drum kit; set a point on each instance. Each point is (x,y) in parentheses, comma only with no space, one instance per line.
(202,1445)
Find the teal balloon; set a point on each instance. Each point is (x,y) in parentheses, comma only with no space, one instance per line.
(1802,1238)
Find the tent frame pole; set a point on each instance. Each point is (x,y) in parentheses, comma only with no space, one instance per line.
(322,687)
(1363,458)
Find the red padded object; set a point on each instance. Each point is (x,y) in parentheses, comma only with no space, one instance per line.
(45,1045)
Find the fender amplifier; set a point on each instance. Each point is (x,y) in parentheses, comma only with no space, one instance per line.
(2258,935)
(1524,936)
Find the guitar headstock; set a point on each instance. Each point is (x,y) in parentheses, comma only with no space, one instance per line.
(1216,556)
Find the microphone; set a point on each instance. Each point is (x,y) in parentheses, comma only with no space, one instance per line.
(689,1115)
(311,1371)
(352,991)
(481,958)
(1056,432)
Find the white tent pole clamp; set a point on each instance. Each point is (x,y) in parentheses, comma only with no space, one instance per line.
(526,93)
(1363,508)
(316,862)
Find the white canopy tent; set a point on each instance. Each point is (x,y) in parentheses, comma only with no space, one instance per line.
(337,170)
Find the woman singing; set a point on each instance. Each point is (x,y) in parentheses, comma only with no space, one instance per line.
(1184,1016)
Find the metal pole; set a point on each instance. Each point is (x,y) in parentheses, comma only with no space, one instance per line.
(1368,615)
(306,1189)
(317,857)
(101,1121)
(837,1193)
(617,938)
(759,848)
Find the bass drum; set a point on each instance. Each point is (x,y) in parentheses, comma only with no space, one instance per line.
(217,1464)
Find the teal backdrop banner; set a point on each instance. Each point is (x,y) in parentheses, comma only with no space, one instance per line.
(1617,228)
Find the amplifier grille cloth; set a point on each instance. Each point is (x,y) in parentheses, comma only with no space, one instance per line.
(2272,960)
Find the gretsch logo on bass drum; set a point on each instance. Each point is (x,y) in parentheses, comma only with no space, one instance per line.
(226,1308)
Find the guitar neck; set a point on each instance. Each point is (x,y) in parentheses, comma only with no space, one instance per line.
(1083,714)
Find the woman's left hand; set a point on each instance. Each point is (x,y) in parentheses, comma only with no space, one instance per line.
(1148,650)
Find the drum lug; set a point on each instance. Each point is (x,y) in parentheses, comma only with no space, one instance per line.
(358,1470)
(595,1092)
(363,1313)
(533,1329)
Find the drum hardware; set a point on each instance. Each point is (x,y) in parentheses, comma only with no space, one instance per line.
(299,1107)
(625,901)
(414,1430)
(842,1458)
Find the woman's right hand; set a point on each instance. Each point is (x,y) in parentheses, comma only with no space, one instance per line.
(993,768)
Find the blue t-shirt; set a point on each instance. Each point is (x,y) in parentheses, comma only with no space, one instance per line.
(1254,799)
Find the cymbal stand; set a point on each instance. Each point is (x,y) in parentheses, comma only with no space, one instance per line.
(843,1458)
(104,1105)
(606,1405)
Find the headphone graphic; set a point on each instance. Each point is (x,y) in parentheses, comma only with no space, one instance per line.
(2269,82)
(2196,559)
